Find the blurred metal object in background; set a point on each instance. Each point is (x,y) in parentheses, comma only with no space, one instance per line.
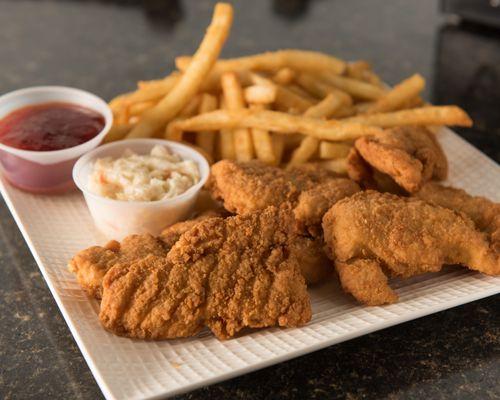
(486,12)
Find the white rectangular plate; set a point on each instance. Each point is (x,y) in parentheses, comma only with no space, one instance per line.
(55,227)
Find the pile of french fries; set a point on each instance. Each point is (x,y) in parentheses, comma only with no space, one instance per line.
(285,107)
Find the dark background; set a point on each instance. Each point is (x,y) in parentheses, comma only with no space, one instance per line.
(106,46)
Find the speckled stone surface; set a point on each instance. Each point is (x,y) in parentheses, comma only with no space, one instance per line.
(106,46)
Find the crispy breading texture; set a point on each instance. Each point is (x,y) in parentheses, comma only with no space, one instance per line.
(227,274)
(410,155)
(314,265)
(172,233)
(405,236)
(251,186)
(90,265)
(315,202)
(366,281)
(483,212)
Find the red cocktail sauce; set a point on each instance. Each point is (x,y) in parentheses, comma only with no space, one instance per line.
(50,126)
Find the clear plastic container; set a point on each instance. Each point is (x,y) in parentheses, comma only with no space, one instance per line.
(48,171)
(117,219)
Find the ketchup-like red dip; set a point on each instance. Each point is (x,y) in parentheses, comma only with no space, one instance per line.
(50,126)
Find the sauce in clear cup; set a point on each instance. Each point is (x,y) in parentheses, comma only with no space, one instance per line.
(48,171)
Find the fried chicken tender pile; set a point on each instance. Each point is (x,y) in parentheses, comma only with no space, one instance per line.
(229,273)
(411,156)
(483,212)
(370,233)
(249,186)
(226,274)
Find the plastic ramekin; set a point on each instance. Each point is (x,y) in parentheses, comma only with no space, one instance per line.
(48,171)
(116,218)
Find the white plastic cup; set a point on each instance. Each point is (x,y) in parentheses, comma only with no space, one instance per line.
(48,171)
(117,218)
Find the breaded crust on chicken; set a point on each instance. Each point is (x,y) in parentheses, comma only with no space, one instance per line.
(226,274)
(90,265)
(249,186)
(252,185)
(370,233)
(409,155)
(483,212)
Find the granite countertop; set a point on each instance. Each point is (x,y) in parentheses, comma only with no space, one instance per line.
(106,46)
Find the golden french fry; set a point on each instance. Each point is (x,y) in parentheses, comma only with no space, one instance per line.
(259,94)
(226,140)
(284,76)
(285,98)
(154,90)
(263,145)
(359,89)
(123,116)
(330,150)
(261,80)
(338,165)
(434,115)
(290,110)
(399,95)
(118,102)
(344,112)
(139,108)
(233,95)
(321,89)
(191,107)
(119,108)
(192,79)
(171,131)
(309,145)
(312,85)
(362,107)
(356,69)
(277,122)
(233,92)
(372,78)
(307,148)
(134,120)
(300,60)
(149,83)
(302,93)
(325,108)
(117,132)
(206,139)
(412,103)
(262,141)
(212,82)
